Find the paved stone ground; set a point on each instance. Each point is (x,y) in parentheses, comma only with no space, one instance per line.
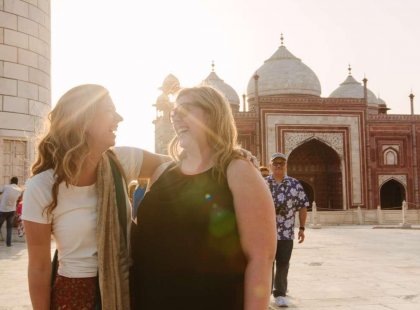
(341,267)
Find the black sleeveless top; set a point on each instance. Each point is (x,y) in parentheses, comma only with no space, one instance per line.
(185,246)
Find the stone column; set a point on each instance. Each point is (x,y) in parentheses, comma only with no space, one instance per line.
(369,201)
(25,86)
(314,223)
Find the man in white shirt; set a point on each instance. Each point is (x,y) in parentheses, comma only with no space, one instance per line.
(9,197)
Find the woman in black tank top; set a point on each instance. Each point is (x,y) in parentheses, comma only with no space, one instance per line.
(205,234)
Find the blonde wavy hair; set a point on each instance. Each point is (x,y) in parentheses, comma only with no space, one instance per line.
(64,148)
(220,129)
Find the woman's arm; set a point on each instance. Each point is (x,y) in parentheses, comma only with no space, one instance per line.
(257,228)
(150,162)
(38,239)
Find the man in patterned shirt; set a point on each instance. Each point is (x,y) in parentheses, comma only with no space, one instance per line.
(289,198)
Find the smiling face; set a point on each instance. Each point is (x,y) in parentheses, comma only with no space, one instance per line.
(101,131)
(189,121)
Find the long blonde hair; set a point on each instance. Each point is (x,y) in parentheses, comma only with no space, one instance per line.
(65,147)
(220,130)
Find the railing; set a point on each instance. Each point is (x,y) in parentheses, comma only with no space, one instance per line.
(403,216)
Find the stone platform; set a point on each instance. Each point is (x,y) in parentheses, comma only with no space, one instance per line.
(336,268)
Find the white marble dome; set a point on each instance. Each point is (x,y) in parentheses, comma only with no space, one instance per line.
(381,101)
(282,74)
(213,80)
(351,88)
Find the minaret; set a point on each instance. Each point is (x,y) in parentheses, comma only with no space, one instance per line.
(163,127)
(411,96)
(367,141)
(364,88)
(256,103)
(414,157)
(25,86)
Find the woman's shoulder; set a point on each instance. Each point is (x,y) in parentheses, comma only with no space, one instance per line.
(37,192)
(44,178)
(242,170)
(238,164)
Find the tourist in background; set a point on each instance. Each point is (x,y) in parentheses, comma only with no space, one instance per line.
(10,195)
(289,198)
(18,221)
(138,195)
(265,172)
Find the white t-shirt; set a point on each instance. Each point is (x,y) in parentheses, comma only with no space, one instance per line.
(74,218)
(9,197)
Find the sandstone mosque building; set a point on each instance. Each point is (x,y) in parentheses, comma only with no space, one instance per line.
(345,149)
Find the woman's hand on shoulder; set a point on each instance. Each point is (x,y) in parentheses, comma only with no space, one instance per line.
(158,172)
(151,161)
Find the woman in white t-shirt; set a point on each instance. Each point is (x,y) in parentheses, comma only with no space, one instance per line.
(77,194)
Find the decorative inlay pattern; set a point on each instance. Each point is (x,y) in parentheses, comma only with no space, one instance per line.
(352,122)
(332,139)
(393,117)
(382,178)
(394,146)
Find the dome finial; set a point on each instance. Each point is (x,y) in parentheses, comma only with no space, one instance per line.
(349,68)
(281,39)
(212,66)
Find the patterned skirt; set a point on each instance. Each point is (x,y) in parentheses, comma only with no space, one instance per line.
(73,293)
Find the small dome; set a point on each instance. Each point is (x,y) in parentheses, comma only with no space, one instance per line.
(350,88)
(170,84)
(283,73)
(227,90)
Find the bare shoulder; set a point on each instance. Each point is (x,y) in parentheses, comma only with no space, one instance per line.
(239,165)
(242,171)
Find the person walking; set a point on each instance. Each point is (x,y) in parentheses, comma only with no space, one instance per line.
(9,198)
(289,198)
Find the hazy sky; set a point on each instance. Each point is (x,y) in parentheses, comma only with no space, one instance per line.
(130,46)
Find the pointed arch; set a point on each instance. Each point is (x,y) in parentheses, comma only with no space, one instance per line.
(392,194)
(390,156)
(317,164)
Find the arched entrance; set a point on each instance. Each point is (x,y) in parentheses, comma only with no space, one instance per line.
(314,162)
(392,194)
(309,192)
